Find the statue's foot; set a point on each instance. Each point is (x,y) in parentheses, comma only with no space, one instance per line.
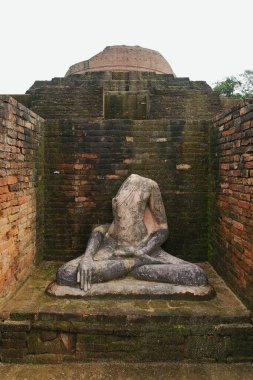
(104,270)
(180,274)
(67,273)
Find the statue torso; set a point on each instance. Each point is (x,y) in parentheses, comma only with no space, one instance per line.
(129,205)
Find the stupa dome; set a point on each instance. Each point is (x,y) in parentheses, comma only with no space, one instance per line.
(124,58)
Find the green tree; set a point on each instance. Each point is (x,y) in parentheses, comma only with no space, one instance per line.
(233,87)
(247,84)
(227,87)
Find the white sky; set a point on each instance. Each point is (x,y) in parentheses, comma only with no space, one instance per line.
(201,39)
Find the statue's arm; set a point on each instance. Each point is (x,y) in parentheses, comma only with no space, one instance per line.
(95,240)
(86,266)
(160,232)
(155,241)
(157,207)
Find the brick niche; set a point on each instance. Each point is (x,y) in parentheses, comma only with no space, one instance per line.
(103,126)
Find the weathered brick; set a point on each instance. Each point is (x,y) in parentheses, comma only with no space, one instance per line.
(232,237)
(15,326)
(13,343)
(15,335)
(17,227)
(3,181)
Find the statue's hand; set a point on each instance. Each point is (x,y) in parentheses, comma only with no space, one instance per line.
(84,272)
(124,252)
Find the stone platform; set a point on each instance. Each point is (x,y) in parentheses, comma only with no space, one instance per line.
(36,327)
(127,371)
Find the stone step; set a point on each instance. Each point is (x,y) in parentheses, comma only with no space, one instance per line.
(39,328)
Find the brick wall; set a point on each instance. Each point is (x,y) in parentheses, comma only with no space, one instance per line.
(87,161)
(123,58)
(83,96)
(21,192)
(232,221)
(93,144)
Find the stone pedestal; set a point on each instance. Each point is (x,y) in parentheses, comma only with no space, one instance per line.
(38,328)
(132,288)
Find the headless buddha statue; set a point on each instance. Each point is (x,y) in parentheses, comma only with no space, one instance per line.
(131,244)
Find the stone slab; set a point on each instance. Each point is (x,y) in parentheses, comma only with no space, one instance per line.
(123,329)
(127,371)
(31,302)
(132,288)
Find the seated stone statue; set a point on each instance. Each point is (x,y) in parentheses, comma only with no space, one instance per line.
(131,244)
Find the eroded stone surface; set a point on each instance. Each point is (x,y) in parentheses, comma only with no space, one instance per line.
(127,371)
